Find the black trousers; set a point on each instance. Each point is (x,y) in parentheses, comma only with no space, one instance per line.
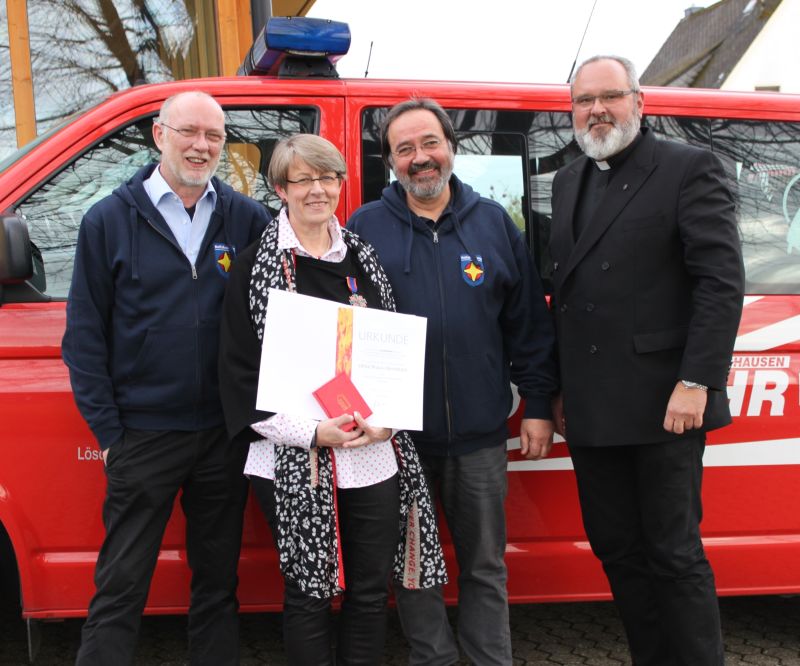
(144,473)
(369,528)
(642,510)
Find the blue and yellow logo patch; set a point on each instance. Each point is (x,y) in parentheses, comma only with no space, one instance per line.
(223,256)
(472,270)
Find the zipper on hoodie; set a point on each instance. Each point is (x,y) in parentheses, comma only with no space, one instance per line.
(198,371)
(172,242)
(447,410)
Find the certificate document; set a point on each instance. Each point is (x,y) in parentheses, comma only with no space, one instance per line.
(304,347)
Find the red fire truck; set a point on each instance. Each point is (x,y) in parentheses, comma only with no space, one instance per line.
(513,138)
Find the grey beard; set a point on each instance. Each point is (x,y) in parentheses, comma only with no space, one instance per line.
(429,189)
(616,139)
(198,181)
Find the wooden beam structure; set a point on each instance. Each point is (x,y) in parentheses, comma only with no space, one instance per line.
(234,34)
(21,75)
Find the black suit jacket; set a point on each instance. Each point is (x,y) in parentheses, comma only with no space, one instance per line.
(649,294)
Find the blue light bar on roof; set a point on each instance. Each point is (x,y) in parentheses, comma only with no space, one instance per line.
(301,37)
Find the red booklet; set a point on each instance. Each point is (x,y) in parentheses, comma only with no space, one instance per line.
(340,396)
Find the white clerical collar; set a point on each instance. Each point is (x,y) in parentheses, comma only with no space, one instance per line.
(602,165)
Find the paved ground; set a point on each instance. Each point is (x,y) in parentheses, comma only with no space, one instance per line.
(759,631)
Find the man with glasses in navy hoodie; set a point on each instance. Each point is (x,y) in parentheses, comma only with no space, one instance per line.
(457,258)
(141,345)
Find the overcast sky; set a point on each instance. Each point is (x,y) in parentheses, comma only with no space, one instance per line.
(497,40)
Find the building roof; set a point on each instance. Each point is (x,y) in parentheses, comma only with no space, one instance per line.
(708,43)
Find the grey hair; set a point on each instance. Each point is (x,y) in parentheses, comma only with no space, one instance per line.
(319,153)
(630,70)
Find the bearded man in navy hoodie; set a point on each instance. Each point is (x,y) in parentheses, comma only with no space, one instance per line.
(457,258)
(141,345)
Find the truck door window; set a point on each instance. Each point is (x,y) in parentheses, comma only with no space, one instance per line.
(762,160)
(494,166)
(54,211)
(694,131)
(551,145)
(762,163)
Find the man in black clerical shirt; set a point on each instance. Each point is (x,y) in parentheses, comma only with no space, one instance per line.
(648,287)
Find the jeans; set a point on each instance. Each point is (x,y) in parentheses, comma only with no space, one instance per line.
(471,489)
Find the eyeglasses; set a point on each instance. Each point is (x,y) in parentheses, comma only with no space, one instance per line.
(328,182)
(428,146)
(191,133)
(609,98)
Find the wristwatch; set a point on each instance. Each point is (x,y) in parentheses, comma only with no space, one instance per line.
(695,385)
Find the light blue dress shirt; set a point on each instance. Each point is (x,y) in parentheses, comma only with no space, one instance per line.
(189,232)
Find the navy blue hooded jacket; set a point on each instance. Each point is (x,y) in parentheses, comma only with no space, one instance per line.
(488,322)
(142,322)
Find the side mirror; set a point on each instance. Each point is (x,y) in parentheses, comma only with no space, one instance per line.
(16,257)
